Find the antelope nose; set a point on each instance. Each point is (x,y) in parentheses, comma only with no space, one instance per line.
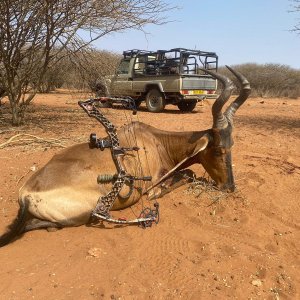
(231,188)
(228,188)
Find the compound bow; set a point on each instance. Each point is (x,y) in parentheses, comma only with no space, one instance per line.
(105,203)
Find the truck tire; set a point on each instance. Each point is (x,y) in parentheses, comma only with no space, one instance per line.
(187,106)
(155,101)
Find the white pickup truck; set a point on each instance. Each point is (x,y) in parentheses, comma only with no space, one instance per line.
(162,77)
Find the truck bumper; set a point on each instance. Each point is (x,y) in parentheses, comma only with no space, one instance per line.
(191,98)
(211,96)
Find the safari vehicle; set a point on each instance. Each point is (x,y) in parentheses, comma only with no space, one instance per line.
(162,77)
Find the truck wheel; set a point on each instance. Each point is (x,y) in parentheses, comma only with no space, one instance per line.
(155,101)
(187,106)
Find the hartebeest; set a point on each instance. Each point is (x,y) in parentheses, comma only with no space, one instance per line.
(65,191)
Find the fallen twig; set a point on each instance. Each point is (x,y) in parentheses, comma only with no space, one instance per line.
(11,130)
(18,138)
(205,186)
(23,176)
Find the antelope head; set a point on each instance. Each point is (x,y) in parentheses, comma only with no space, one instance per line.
(216,156)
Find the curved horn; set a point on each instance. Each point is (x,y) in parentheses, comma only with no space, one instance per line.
(219,120)
(244,94)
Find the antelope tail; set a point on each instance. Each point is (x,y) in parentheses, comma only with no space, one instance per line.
(17,227)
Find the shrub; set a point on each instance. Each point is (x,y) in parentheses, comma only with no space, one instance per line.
(86,70)
(268,80)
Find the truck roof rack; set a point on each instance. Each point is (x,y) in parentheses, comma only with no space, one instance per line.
(134,52)
(173,61)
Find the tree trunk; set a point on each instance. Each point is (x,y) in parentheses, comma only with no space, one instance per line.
(18,107)
(18,114)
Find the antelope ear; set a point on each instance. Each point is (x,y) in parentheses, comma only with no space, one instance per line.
(201,145)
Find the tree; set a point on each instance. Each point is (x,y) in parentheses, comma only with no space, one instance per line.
(296,8)
(87,69)
(36,34)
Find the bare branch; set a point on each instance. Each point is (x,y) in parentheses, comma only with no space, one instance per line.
(296,9)
(37,33)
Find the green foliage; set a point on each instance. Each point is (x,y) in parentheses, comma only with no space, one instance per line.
(268,80)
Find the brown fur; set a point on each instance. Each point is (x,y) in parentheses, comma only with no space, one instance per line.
(65,190)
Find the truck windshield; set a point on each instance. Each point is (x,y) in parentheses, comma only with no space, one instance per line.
(123,67)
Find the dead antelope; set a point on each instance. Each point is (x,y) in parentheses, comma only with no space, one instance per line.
(64,192)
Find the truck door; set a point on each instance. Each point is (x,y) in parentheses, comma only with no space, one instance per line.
(121,84)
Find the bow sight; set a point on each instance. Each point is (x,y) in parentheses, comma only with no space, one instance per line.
(99,143)
(105,203)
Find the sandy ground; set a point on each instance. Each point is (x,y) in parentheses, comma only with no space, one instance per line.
(243,246)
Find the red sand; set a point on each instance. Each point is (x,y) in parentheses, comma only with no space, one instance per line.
(245,246)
